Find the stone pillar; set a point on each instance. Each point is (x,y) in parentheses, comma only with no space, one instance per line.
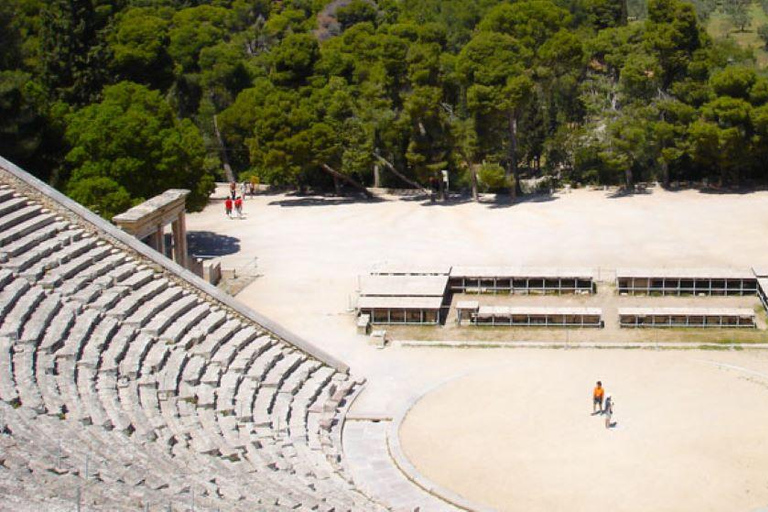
(158,240)
(179,229)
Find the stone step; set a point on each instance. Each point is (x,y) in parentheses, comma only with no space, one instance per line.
(138,279)
(34,239)
(7,193)
(24,253)
(283,369)
(296,380)
(65,379)
(130,366)
(210,323)
(106,388)
(86,385)
(75,340)
(96,342)
(88,286)
(215,339)
(58,257)
(175,332)
(6,276)
(131,302)
(155,360)
(165,316)
(24,374)
(14,321)
(245,358)
(117,348)
(11,204)
(168,382)
(8,390)
(152,305)
(47,384)
(97,298)
(60,325)
(10,295)
(18,217)
(56,276)
(34,330)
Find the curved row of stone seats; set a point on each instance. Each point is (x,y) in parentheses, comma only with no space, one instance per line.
(107,360)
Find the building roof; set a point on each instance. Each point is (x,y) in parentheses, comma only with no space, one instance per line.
(742,312)
(467,304)
(536,311)
(760,271)
(685,273)
(368,303)
(521,272)
(403,286)
(405,269)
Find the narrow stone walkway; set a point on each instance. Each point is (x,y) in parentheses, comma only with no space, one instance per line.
(374,472)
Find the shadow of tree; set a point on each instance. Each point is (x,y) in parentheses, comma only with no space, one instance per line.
(323,201)
(207,243)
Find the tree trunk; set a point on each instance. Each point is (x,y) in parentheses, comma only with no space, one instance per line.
(473,179)
(402,176)
(343,177)
(512,156)
(665,173)
(336,185)
(376,176)
(628,178)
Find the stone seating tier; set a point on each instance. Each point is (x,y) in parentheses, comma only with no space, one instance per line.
(123,383)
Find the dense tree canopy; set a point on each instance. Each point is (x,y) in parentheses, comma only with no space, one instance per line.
(113,101)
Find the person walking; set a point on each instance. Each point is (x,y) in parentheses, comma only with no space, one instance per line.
(244,189)
(239,207)
(233,190)
(597,398)
(228,207)
(608,411)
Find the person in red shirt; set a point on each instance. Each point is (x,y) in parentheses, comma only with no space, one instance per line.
(228,207)
(239,206)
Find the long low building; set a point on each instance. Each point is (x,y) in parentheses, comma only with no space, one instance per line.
(510,279)
(403,286)
(403,299)
(401,310)
(537,316)
(686,317)
(686,281)
(399,269)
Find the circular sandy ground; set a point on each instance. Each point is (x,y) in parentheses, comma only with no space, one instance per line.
(691,433)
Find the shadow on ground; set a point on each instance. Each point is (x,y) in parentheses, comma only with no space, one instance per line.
(622,192)
(298,200)
(505,201)
(206,243)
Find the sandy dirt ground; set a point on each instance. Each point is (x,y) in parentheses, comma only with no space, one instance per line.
(704,439)
(309,252)
(689,434)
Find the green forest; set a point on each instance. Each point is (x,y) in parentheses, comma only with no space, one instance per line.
(113,101)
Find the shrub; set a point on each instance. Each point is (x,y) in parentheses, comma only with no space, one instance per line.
(492,177)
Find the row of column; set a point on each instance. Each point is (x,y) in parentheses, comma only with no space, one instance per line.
(179,239)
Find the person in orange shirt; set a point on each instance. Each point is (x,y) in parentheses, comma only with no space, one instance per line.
(597,398)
